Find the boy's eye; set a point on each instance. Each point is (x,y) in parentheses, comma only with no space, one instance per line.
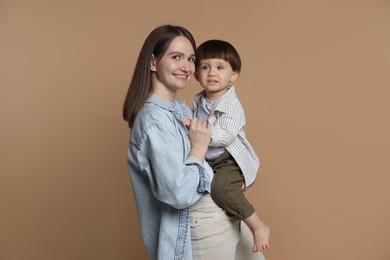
(203,67)
(220,67)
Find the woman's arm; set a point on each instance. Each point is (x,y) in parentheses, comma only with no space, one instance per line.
(200,134)
(175,178)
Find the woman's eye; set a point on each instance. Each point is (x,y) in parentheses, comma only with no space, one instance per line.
(176,57)
(192,59)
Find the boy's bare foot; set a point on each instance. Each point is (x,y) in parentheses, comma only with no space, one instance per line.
(261,237)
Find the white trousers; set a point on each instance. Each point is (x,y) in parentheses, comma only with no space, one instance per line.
(214,236)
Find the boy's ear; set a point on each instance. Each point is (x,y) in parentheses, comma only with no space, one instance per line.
(153,64)
(234,76)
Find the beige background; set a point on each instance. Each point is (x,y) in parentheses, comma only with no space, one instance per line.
(315,86)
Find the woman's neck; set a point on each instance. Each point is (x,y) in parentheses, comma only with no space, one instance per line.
(162,91)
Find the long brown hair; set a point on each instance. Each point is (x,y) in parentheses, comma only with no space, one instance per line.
(141,83)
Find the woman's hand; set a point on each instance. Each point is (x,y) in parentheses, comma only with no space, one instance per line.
(200,136)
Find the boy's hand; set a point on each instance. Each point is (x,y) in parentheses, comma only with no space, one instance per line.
(187,121)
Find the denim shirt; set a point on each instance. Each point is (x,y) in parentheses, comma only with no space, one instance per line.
(165,181)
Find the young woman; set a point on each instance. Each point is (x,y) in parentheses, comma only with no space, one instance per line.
(166,170)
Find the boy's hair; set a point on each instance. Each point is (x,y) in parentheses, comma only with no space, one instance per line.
(218,49)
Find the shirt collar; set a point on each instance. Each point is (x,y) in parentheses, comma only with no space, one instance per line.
(163,103)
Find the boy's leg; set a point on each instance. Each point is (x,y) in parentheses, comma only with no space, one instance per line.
(244,248)
(226,187)
(261,232)
(227,192)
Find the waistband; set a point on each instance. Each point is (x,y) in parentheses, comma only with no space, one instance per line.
(205,204)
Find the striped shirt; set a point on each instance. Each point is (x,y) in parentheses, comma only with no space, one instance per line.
(228,120)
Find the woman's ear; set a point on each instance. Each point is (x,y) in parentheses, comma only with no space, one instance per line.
(153,63)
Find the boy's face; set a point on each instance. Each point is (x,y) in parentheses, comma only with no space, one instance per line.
(215,75)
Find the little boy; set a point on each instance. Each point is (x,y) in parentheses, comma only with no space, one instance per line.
(230,155)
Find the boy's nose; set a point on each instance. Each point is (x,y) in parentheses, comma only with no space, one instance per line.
(211,72)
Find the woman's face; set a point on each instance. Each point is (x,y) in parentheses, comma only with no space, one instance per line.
(175,67)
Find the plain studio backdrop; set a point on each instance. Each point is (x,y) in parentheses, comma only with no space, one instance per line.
(315,87)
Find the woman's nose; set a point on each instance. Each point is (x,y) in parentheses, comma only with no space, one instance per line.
(187,66)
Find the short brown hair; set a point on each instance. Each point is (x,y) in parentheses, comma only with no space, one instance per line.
(218,49)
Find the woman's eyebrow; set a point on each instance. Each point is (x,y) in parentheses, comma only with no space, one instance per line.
(180,53)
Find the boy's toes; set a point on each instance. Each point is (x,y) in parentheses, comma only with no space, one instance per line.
(264,247)
(257,248)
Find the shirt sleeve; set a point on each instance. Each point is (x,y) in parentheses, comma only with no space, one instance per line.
(175,178)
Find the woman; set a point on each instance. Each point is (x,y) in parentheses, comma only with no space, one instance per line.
(165,159)
(166,171)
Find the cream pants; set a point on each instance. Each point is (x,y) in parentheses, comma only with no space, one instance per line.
(214,236)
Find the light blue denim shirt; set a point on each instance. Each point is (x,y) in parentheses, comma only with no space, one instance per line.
(165,181)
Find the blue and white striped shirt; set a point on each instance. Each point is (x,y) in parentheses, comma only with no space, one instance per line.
(228,121)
